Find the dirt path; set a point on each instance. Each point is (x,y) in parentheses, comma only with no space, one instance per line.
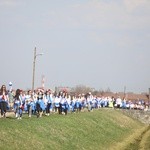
(139,140)
(142,142)
(145,141)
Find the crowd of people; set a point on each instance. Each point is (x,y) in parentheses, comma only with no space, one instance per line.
(44,102)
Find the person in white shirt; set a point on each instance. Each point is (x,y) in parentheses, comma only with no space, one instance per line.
(28,101)
(57,103)
(119,102)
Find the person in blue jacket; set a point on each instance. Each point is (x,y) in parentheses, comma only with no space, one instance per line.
(72,104)
(40,106)
(77,104)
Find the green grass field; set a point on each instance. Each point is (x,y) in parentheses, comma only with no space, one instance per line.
(99,130)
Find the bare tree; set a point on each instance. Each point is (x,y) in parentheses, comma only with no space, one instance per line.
(80,89)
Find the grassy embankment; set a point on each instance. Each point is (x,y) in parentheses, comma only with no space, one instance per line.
(98,130)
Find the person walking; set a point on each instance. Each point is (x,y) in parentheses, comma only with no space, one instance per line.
(18,105)
(28,102)
(48,101)
(40,106)
(4,99)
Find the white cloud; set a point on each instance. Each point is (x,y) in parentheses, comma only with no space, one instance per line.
(8,3)
(113,18)
(132,5)
(103,15)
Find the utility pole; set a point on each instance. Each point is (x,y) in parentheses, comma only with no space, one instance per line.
(124,91)
(33,77)
(34,61)
(43,82)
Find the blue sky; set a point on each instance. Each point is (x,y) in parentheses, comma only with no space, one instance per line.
(97,43)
